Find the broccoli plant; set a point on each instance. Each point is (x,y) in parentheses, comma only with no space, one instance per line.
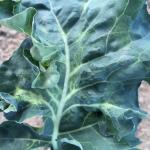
(79,69)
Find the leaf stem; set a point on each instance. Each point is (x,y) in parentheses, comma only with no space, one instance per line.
(66,83)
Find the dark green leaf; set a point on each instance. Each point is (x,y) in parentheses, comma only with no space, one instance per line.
(19,137)
(82,70)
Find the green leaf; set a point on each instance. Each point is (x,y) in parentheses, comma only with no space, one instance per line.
(8,103)
(81,72)
(19,137)
(21,22)
(70,144)
(16,79)
(140,27)
(95,141)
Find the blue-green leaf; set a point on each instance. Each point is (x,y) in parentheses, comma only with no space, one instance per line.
(80,70)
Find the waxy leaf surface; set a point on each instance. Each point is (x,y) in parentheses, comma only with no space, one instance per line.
(80,71)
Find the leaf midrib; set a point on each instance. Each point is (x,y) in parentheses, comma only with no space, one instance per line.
(66,81)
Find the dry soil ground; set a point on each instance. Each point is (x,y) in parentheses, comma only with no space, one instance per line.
(9,41)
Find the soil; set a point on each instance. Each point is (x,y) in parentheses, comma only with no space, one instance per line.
(144,127)
(10,40)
